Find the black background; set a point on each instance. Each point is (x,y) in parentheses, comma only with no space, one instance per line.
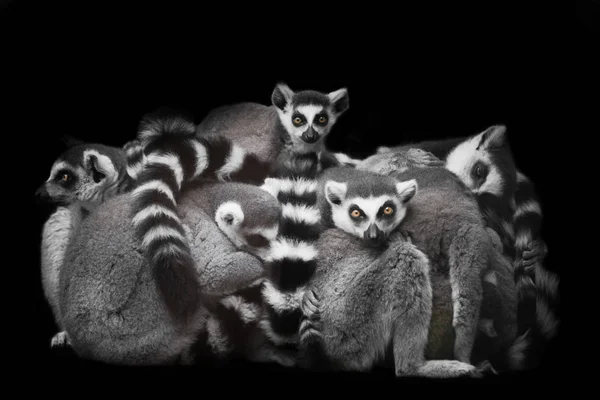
(412,74)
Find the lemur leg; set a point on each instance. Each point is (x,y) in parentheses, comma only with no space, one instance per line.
(312,351)
(469,255)
(453,369)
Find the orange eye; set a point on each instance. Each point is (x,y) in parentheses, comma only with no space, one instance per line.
(297,121)
(65,177)
(355,213)
(388,210)
(322,119)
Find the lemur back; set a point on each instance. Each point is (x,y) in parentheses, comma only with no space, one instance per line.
(106,255)
(297,121)
(81,178)
(508,200)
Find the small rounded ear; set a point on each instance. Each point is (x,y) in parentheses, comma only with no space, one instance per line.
(493,137)
(282,95)
(383,149)
(406,190)
(99,165)
(339,100)
(335,192)
(229,214)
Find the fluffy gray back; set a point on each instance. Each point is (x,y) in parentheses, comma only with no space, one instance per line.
(252,126)
(111,308)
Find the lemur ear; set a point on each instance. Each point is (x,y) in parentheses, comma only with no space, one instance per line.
(229,214)
(340,100)
(282,96)
(71,141)
(383,149)
(406,190)
(99,165)
(335,192)
(493,137)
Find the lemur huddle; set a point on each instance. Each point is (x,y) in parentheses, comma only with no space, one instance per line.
(244,237)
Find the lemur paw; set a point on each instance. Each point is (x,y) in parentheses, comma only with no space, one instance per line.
(483,369)
(310,305)
(535,251)
(310,324)
(60,340)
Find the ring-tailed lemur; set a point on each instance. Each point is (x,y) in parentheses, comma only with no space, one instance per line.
(81,178)
(442,220)
(176,158)
(508,200)
(111,307)
(507,349)
(299,121)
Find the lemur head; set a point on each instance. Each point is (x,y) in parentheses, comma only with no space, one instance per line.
(250,221)
(370,207)
(83,173)
(484,163)
(307,115)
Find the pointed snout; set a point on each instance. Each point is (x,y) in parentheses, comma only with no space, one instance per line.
(310,135)
(374,235)
(42,193)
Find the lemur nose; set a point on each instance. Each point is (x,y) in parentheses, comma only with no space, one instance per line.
(42,192)
(310,135)
(373,233)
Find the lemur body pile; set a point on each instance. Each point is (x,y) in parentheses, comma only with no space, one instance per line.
(258,184)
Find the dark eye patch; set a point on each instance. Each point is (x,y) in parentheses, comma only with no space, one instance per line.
(301,118)
(381,214)
(318,117)
(71,178)
(479,173)
(357,219)
(257,240)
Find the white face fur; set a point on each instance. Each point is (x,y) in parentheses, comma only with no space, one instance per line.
(369,218)
(472,163)
(230,217)
(309,124)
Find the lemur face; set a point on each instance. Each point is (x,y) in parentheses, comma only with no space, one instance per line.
(254,240)
(80,174)
(476,161)
(371,218)
(308,116)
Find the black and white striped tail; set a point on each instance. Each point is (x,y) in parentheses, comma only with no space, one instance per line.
(536,285)
(293,255)
(175,160)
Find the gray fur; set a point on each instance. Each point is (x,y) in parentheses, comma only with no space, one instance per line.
(252,126)
(109,303)
(444,221)
(57,233)
(359,332)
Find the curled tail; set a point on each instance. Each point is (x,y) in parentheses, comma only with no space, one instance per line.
(293,255)
(537,286)
(175,160)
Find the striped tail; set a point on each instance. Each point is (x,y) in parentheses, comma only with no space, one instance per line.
(174,161)
(293,255)
(537,286)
